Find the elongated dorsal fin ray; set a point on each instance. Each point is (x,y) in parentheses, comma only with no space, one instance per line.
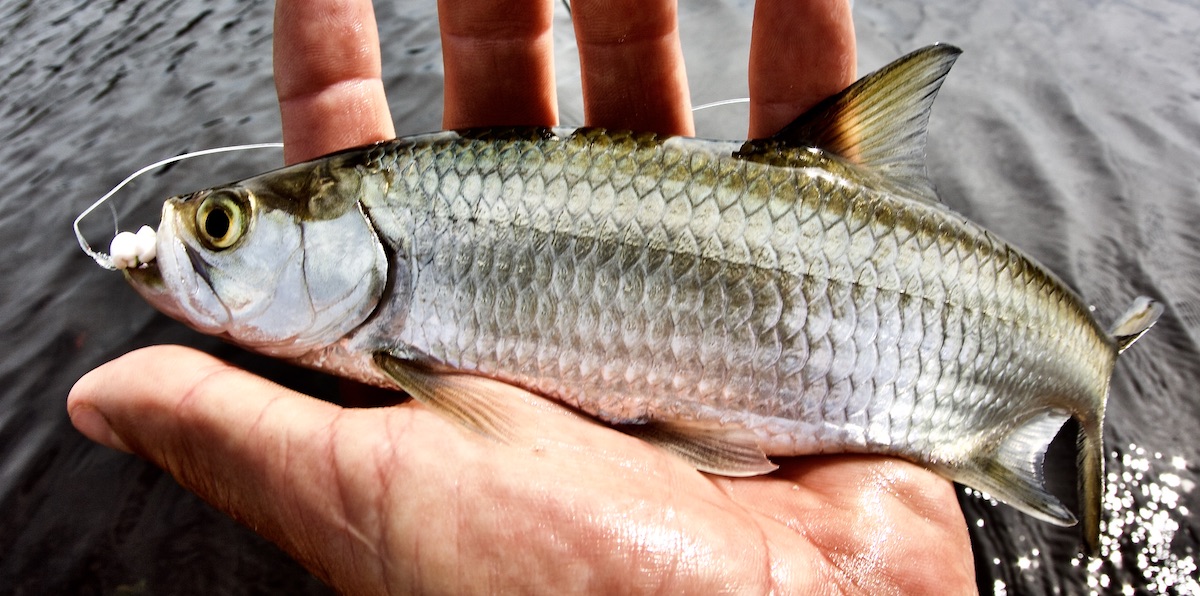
(879,122)
(1136,321)
(1012,471)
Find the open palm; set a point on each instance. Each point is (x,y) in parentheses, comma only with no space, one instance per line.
(398,500)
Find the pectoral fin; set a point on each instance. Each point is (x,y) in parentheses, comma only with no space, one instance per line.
(724,451)
(481,404)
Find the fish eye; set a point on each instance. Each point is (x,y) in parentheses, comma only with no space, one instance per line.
(220,221)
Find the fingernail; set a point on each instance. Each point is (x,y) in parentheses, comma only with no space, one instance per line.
(89,421)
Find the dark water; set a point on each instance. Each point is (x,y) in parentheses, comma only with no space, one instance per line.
(1070,128)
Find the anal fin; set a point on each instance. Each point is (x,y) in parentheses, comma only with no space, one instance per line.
(477,403)
(717,450)
(1012,471)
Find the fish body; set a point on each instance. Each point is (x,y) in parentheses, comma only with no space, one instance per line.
(795,295)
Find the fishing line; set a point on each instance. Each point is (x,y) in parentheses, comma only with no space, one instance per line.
(105,260)
(723,102)
(116,224)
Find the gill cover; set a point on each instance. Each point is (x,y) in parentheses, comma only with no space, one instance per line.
(284,263)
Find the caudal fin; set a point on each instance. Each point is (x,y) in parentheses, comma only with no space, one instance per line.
(1091,479)
(1137,319)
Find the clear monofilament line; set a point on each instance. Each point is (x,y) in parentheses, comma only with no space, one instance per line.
(105,260)
(723,102)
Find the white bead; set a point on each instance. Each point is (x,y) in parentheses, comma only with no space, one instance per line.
(124,250)
(130,250)
(147,244)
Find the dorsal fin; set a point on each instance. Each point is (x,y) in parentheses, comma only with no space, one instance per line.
(879,122)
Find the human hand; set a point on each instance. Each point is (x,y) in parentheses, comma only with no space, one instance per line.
(397,499)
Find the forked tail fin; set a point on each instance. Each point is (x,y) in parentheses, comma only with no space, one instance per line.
(1011,471)
(1137,319)
(1091,479)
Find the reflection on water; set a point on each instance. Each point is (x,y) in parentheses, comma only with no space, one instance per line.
(1143,545)
(1070,129)
(1145,497)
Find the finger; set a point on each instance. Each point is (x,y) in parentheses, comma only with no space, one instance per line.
(800,53)
(499,62)
(259,452)
(632,65)
(327,76)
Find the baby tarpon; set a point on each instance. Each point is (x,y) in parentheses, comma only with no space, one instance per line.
(804,293)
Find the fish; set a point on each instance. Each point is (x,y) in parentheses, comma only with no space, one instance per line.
(728,301)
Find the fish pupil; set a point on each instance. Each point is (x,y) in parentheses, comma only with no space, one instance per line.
(216,225)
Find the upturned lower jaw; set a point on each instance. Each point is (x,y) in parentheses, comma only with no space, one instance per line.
(148,282)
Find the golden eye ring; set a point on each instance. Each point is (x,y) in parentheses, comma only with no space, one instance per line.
(220,221)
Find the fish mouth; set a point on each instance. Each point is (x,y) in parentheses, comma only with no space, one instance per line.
(178,281)
(147,281)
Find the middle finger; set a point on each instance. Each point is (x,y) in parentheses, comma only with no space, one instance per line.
(632,65)
(499,61)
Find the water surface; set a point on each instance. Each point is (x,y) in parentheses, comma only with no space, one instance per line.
(1070,128)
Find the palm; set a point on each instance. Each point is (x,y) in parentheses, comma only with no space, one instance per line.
(397,499)
(573,505)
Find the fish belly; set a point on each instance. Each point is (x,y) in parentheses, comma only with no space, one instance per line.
(639,279)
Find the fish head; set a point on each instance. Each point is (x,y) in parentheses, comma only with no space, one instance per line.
(284,263)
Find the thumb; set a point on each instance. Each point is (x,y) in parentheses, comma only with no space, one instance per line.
(257,451)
